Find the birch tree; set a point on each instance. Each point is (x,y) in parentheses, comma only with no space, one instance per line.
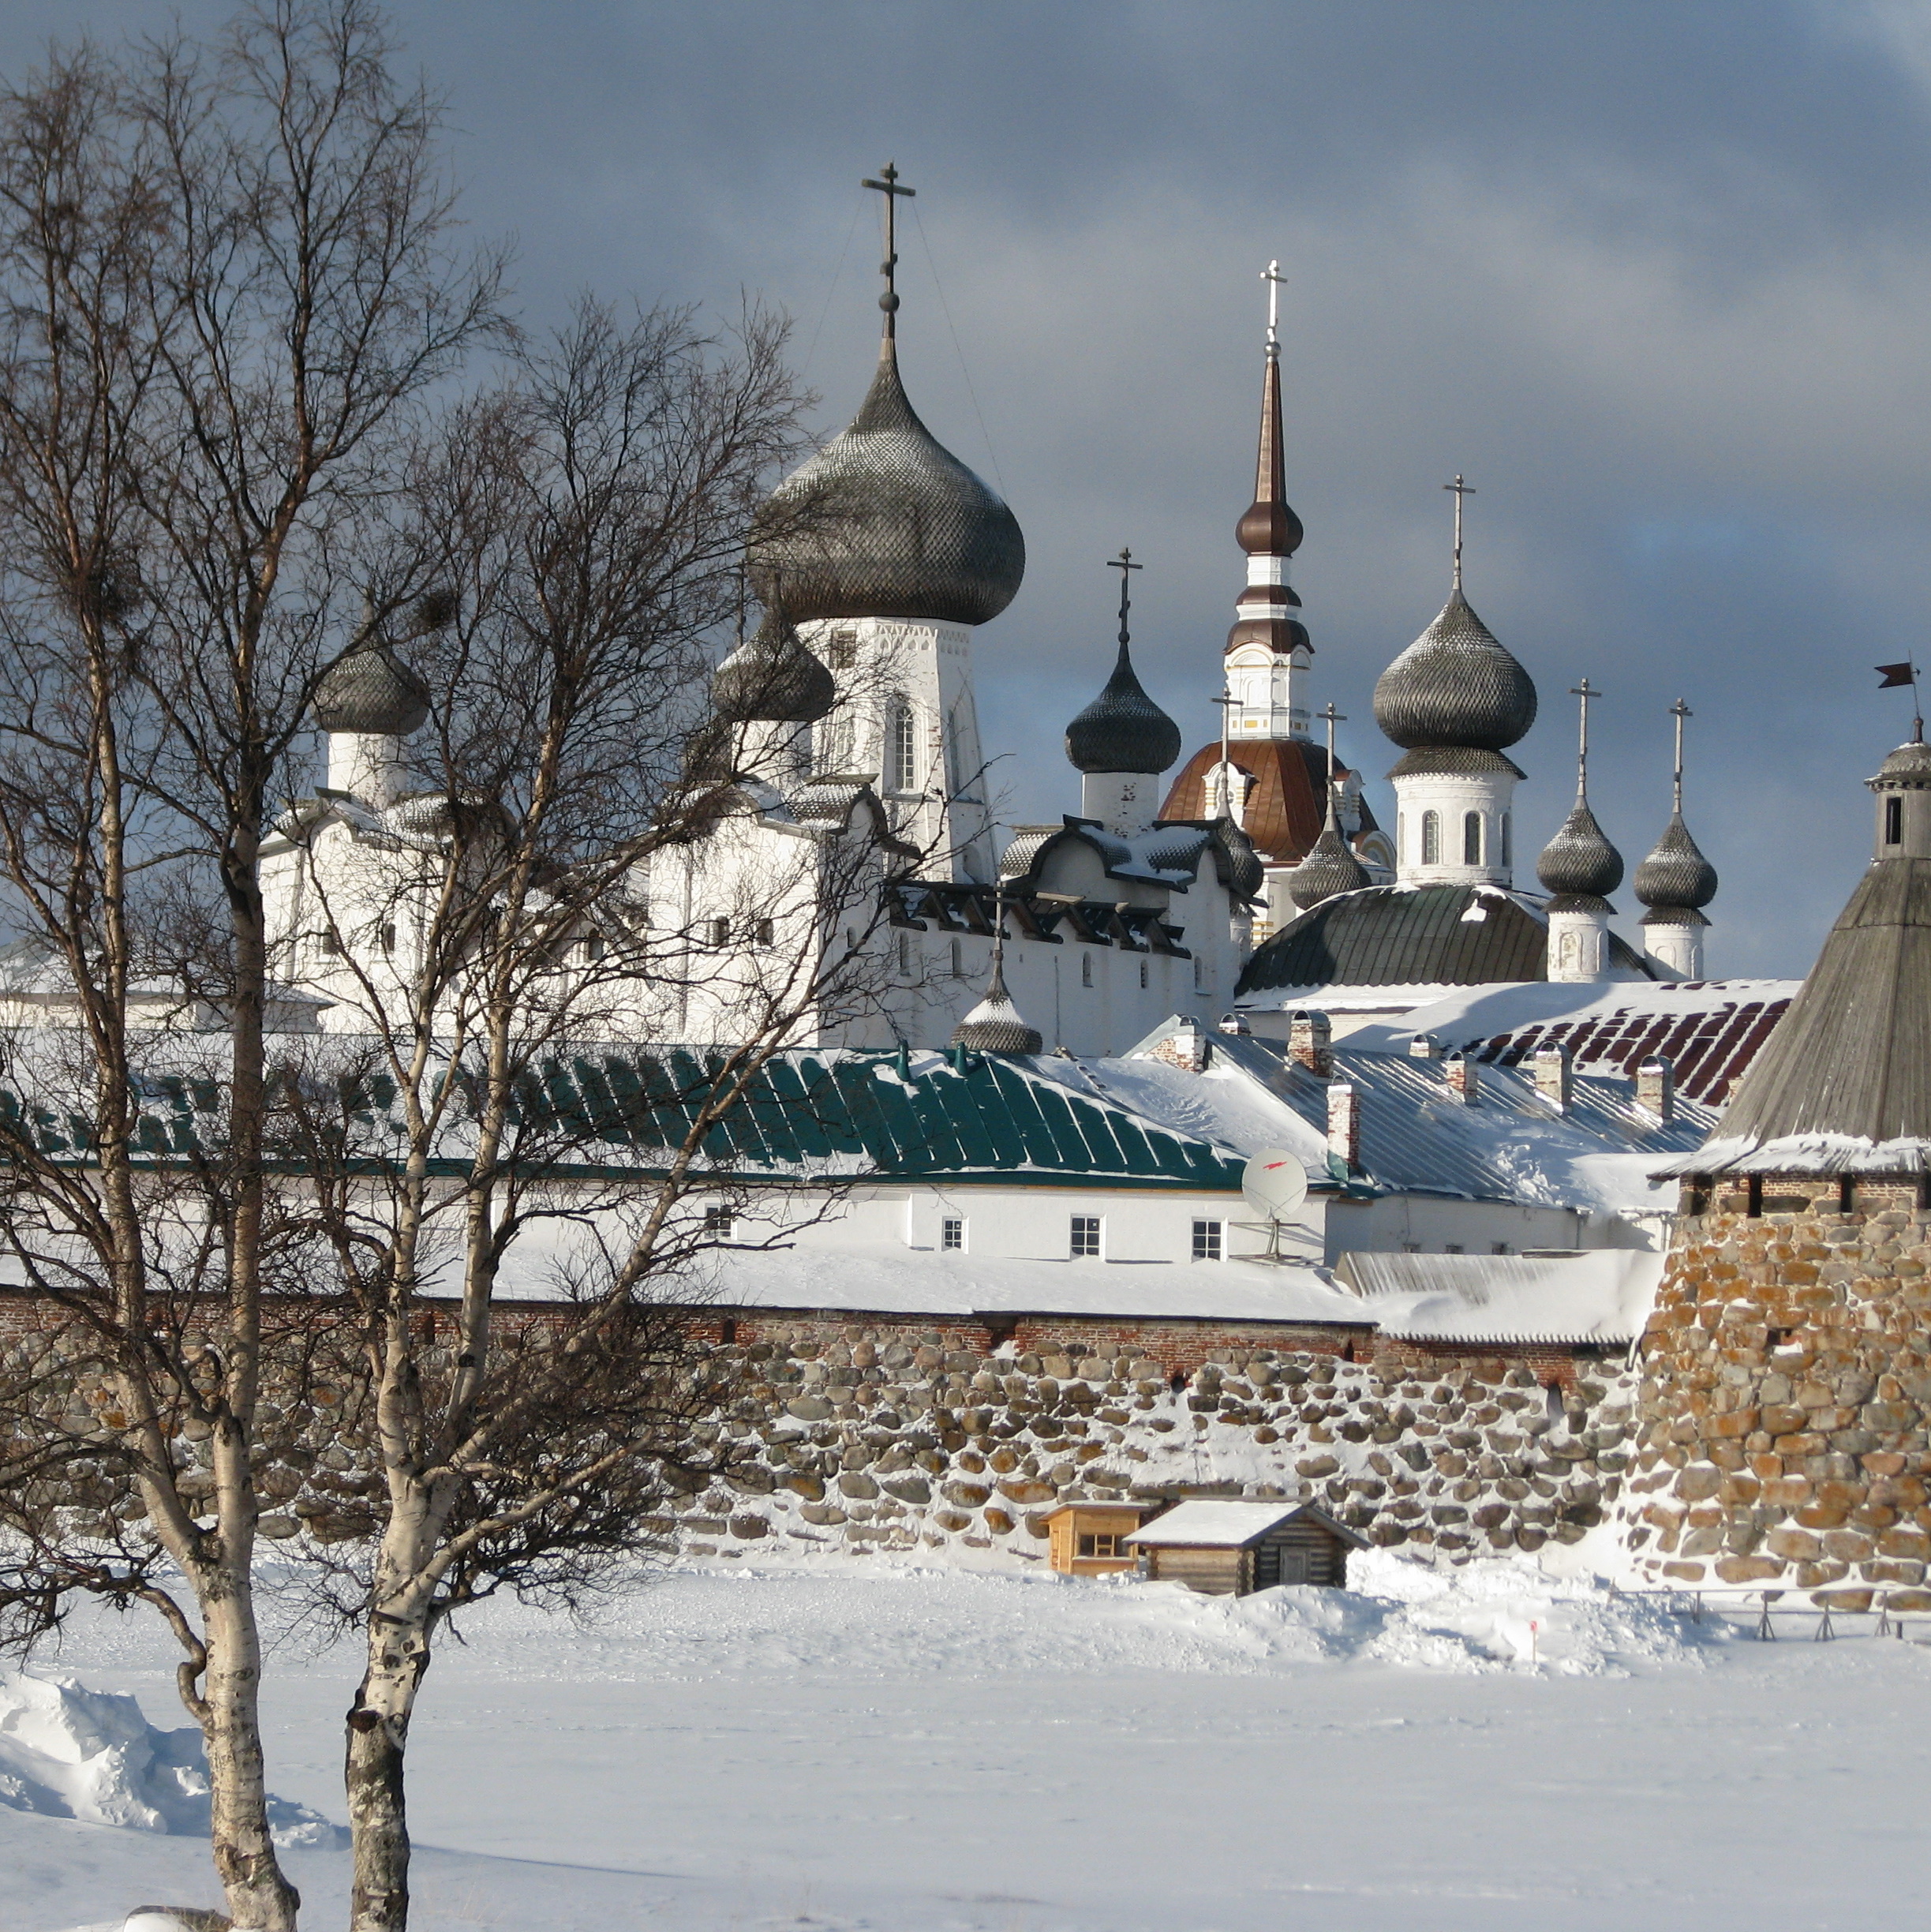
(226,285)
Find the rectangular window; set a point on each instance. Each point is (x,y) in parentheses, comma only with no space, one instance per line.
(951,1234)
(1411,1247)
(386,937)
(719,1223)
(1506,858)
(1143,975)
(1431,838)
(841,652)
(1200,973)
(1498,1247)
(1098,1546)
(720,931)
(1451,1248)
(1086,969)
(1472,838)
(328,946)
(1086,1238)
(592,945)
(902,765)
(1894,822)
(761,931)
(1206,1236)
(905,953)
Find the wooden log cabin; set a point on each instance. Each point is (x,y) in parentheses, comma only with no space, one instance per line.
(1230,1549)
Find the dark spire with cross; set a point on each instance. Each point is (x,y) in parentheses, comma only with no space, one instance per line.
(1123,730)
(1461,489)
(889,186)
(1679,711)
(1269,527)
(1330,717)
(1124,563)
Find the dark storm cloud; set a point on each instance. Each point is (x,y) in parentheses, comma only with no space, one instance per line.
(1654,276)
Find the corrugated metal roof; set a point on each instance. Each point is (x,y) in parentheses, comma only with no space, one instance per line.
(621,1107)
(1512,1145)
(1402,935)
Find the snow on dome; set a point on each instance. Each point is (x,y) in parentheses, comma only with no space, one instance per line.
(1580,861)
(884,522)
(1676,874)
(1328,869)
(1455,685)
(370,690)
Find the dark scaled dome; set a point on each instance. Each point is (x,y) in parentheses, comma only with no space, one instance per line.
(995,1025)
(772,678)
(369,689)
(1580,861)
(884,522)
(1246,875)
(1122,730)
(1455,685)
(1676,874)
(1329,868)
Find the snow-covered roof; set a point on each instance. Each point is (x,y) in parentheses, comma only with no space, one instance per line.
(1602,1295)
(1710,1030)
(1210,1524)
(1512,1145)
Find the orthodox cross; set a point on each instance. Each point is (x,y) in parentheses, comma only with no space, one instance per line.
(1584,692)
(1331,717)
(1461,489)
(1271,275)
(1679,711)
(1226,701)
(889,188)
(1123,564)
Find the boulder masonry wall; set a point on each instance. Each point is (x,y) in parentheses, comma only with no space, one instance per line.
(1784,1412)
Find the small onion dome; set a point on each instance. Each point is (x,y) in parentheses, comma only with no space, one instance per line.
(1676,874)
(1329,868)
(885,522)
(370,690)
(1455,685)
(1579,861)
(1122,730)
(1908,769)
(772,679)
(995,1024)
(1246,875)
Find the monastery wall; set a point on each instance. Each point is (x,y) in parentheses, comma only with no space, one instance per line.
(1784,1415)
(857,1433)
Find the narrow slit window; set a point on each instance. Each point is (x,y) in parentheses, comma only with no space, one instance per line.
(1086,969)
(1507,858)
(1431,838)
(386,937)
(904,750)
(1472,838)
(1085,1242)
(958,960)
(1894,822)
(1142,974)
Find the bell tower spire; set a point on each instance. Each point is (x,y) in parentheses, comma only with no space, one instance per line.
(1268,652)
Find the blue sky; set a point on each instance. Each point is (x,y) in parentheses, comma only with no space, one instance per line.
(1655,276)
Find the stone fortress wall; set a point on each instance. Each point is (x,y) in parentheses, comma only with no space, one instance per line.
(1784,1418)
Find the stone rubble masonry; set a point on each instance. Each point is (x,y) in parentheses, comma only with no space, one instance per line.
(1783,1418)
(895,1432)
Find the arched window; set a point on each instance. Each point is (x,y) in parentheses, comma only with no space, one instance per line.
(1431,838)
(1472,838)
(902,749)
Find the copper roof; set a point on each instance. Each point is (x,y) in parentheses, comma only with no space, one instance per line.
(1286,804)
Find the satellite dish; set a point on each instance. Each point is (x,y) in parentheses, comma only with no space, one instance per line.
(1274,1183)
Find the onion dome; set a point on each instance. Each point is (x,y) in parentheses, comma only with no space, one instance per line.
(1329,868)
(1676,874)
(370,690)
(995,1025)
(884,522)
(1245,876)
(1122,730)
(1455,685)
(1580,862)
(772,679)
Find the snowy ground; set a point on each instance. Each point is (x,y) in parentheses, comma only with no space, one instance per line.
(849,1744)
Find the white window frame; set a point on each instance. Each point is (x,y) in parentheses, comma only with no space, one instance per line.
(1082,1229)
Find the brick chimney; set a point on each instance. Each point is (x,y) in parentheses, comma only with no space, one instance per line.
(1311,1042)
(1187,1046)
(1460,1077)
(1344,1122)
(1554,1074)
(1425,1047)
(1656,1087)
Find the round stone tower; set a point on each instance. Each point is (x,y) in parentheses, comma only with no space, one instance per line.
(1785,1410)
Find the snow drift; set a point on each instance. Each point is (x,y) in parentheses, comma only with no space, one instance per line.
(66,1751)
